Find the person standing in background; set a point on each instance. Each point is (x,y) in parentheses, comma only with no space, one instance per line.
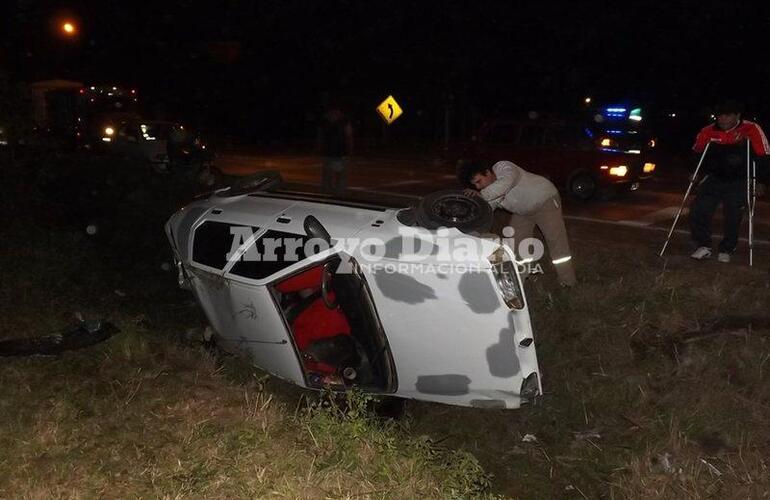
(724,179)
(335,144)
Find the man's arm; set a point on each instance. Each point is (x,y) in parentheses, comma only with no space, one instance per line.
(701,140)
(505,181)
(758,140)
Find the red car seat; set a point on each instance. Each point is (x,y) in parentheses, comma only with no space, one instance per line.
(315,321)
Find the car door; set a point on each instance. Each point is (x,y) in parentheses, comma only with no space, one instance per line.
(452,337)
(240,309)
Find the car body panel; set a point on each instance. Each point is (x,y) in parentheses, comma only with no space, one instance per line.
(452,338)
(248,321)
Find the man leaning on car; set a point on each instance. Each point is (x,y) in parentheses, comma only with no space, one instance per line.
(532,200)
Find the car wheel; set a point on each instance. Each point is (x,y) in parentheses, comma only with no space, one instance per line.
(452,208)
(261,181)
(583,186)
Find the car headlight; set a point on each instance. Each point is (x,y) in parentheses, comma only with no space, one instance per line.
(504,271)
(109,131)
(619,171)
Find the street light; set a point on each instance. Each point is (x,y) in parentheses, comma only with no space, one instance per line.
(69,28)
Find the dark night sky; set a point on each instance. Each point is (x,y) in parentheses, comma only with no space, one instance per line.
(275,58)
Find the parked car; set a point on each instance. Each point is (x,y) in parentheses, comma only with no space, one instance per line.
(583,159)
(165,146)
(333,318)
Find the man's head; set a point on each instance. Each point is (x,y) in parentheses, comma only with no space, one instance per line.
(476,174)
(728,114)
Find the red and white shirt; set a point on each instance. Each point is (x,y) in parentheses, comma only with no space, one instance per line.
(739,133)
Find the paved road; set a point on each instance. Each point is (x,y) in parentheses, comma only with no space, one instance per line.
(651,208)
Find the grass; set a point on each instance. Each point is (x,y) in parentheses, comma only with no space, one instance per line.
(148,414)
(656,385)
(656,381)
(139,417)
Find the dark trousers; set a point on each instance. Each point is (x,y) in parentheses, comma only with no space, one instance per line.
(334,175)
(711,192)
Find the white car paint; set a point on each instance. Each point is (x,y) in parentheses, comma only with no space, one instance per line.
(451,336)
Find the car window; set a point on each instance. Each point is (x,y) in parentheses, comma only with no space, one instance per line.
(276,251)
(567,136)
(503,134)
(532,135)
(213,241)
(553,136)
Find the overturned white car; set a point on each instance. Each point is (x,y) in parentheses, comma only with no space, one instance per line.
(330,291)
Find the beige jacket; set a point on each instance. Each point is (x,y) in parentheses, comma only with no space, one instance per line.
(518,191)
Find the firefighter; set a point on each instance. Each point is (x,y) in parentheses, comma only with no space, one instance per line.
(532,201)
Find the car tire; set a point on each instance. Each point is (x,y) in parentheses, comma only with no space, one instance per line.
(261,181)
(452,208)
(582,186)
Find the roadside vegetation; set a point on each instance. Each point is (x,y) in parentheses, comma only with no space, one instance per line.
(656,380)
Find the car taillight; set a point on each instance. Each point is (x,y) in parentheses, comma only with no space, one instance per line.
(504,271)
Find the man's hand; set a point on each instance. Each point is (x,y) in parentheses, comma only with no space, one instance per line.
(760,190)
(471,192)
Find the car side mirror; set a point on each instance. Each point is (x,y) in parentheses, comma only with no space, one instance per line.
(314,229)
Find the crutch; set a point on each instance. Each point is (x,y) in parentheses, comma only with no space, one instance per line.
(751,197)
(684,200)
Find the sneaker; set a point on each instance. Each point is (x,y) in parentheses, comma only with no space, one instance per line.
(701,253)
(723,257)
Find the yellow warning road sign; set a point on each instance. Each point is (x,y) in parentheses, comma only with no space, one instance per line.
(389,110)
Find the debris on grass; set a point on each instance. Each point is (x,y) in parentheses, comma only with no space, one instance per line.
(87,333)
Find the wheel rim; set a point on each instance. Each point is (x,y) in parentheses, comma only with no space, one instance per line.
(583,185)
(455,209)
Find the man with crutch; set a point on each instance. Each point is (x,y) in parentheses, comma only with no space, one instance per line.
(726,176)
